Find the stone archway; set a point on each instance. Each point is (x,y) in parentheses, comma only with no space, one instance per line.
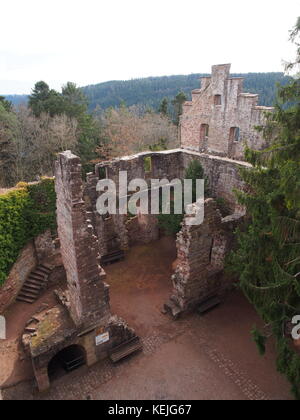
(65,361)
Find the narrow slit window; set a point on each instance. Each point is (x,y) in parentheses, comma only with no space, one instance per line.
(235,134)
(148,164)
(204,132)
(217,100)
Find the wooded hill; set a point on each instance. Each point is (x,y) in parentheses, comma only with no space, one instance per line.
(151,90)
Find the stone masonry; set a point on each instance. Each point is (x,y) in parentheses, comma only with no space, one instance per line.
(220,119)
(82,317)
(201,252)
(78,245)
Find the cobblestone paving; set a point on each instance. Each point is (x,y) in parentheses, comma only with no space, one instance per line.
(82,384)
(231,370)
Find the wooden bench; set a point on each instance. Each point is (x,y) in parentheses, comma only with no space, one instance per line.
(208,304)
(112,257)
(125,349)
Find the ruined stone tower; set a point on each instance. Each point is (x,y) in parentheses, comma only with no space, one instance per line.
(88,303)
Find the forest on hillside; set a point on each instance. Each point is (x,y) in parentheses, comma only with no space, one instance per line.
(149,92)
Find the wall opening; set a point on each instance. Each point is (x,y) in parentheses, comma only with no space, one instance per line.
(67,360)
(204,132)
(234,134)
(148,164)
(217,100)
(103,173)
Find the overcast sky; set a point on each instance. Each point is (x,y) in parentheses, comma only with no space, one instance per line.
(92,41)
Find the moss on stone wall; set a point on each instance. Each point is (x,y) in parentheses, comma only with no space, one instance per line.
(25,212)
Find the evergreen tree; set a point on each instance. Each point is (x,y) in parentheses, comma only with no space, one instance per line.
(267,260)
(177,103)
(163,107)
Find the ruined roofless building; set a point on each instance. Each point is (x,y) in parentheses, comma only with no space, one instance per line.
(81,326)
(220,119)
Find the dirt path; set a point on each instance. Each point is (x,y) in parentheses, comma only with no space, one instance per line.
(14,365)
(141,284)
(209,357)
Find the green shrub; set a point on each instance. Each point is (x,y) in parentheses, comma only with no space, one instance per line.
(24,213)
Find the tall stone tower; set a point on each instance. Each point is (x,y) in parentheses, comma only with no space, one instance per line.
(88,294)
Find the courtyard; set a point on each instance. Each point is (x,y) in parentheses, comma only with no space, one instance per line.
(196,357)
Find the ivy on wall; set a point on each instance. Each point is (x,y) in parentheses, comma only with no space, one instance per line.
(25,212)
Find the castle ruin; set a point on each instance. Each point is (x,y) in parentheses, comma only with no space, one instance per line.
(214,128)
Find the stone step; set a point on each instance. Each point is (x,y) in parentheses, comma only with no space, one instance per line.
(24,299)
(32,286)
(37,276)
(125,349)
(29,294)
(44,269)
(35,282)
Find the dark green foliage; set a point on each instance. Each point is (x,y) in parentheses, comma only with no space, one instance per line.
(6,104)
(44,100)
(151,91)
(177,103)
(163,107)
(41,208)
(161,145)
(73,103)
(267,259)
(260,341)
(195,171)
(24,213)
(170,223)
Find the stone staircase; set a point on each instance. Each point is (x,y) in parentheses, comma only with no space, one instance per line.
(35,284)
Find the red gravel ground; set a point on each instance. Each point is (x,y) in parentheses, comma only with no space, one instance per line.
(209,357)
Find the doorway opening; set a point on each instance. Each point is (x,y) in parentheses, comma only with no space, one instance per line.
(67,360)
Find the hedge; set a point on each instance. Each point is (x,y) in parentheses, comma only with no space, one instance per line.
(25,212)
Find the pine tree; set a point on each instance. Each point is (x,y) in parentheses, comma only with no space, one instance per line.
(267,260)
(163,107)
(177,103)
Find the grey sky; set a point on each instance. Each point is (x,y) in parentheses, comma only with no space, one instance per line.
(93,41)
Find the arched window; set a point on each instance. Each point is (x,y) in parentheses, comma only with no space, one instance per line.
(217,100)
(234,134)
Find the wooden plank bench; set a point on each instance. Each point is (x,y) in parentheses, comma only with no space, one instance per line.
(208,304)
(125,349)
(112,257)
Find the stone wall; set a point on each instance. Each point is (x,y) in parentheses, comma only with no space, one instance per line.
(222,173)
(201,254)
(26,262)
(41,250)
(142,229)
(221,105)
(78,245)
(223,176)
(44,245)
